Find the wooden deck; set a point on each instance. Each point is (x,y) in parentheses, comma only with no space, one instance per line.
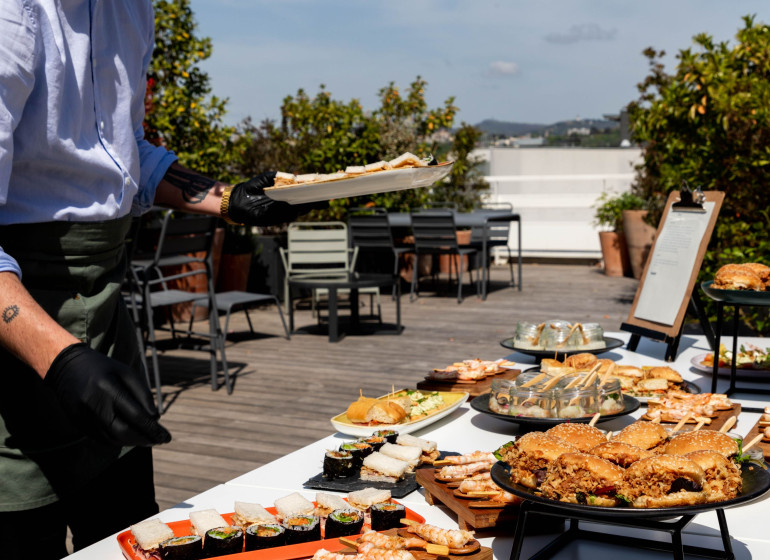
(287,390)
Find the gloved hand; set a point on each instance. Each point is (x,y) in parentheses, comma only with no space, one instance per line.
(251,206)
(105,398)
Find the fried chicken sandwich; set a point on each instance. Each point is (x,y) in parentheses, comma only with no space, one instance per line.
(580,478)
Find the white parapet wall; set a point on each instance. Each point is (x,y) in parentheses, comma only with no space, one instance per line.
(555,191)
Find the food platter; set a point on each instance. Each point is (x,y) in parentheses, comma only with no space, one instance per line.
(697,363)
(352,483)
(452,401)
(360,185)
(756,481)
(736,297)
(481,404)
(609,344)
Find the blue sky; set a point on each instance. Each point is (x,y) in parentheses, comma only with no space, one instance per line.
(536,61)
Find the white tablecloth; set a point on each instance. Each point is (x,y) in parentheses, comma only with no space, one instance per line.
(465,430)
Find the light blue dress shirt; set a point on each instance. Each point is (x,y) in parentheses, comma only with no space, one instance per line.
(72,89)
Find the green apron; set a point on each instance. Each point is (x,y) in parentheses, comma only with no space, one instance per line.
(74,270)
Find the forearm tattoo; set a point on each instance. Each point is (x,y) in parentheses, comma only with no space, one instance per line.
(10,313)
(193,186)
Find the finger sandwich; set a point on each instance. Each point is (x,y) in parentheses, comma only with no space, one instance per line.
(381,468)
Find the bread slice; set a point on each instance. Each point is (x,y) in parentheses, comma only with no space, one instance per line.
(150,533)
(206,519)
(248,514)
(293,504)
(362,499)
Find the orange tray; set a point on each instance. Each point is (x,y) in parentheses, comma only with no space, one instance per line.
(286,552)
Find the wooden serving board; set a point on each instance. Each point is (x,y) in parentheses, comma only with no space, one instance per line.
(482,553)
(716,422)
(468,518)
(763,445)
(474,388)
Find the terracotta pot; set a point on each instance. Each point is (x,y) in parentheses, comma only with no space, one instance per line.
(639,237)
(463,238)
(614,253)
(406,262)
(234,271)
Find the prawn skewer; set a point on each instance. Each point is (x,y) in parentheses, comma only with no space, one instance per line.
(475,457)
(371,552)
(381,540)
(323,554)
(453,538)
(461,471)
(467,486)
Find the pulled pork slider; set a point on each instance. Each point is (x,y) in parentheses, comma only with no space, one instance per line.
(644,435)
(665,372)
(761,270)
(723,477)
(701,440)
(663,481)
(530,456)
(582,436)
(580,478)
(619,453)
(737,277)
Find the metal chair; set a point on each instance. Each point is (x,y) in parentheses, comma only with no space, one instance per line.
(493,234)
(183,243)
(435,234)
(236,300)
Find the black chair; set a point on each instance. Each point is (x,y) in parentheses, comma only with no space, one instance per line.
(369,230)
(182,244)
(493,234)
(435,234)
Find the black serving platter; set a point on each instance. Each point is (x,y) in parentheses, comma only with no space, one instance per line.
(736,297)
(609,344)
(756,481)
(399,489)
(481,404)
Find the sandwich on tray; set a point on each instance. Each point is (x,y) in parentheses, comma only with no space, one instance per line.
(378,467)
(206,519)
(701,440)
(663,481)
(644,435)
(723,477)
(366,498)
(580,478)
(531,455)
(622,454)
(148,535)
(247,514)
(582,436)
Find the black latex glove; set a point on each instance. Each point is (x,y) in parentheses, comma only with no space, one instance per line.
(251,206)
(105,398)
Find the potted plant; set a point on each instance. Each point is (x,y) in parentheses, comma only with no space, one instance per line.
(609,216)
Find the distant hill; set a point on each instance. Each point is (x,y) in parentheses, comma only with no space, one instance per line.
(497,128)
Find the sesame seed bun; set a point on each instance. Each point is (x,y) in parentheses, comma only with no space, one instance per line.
(619,453)
(531,455)
(582,478)
(582,436)
(644,435)
(712,440)
(723,477)
(664,481)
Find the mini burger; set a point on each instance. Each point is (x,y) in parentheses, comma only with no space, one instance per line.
(644,435)
(663,481)
(580,478)
(582,436)
(530,456)
(723,477)
(701,440)
(619,453)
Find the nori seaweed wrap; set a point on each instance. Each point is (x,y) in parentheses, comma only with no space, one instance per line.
(387,515)
(302,528)
(375,441)
(223,540)
(188,547)
(268,535)
(343,523)
(359,450)
(339,464)
(389,435)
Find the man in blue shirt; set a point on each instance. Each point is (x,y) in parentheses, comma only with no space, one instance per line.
(77,420)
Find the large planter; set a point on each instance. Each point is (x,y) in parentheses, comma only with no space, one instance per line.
(445,262)
(234,269)
(639,237)
(267,273)
(614,253)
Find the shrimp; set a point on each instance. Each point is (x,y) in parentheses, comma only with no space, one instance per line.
(475,457)
(380,540)
(323,554)
(371,552)
(453,538)
(461,471)
(505,498)
(469,485)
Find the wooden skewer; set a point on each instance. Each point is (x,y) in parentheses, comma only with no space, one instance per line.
(656,420)
(574,383)
(594,419)
(535,380)
(550,384)
(753,442)
(430,548)
(729,424)
(681,423)
(699,425)
(609,435)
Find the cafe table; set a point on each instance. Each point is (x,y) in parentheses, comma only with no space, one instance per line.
(466,430)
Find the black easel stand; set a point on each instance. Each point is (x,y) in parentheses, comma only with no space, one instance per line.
(674,528)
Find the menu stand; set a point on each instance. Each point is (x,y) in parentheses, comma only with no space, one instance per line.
(673,528)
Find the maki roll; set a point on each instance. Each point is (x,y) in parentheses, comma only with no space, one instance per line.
(359,450)
(387,515)
(339,464)
(389,435)
(264,536)
(343,522)
(302,528)
(188,547)
(375,441)
(223,540)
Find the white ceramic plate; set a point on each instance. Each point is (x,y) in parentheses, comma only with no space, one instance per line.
(453,401)
(696,362)
(371,183)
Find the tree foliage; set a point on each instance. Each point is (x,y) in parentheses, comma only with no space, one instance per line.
(708,124)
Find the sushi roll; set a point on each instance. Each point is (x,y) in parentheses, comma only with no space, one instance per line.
(359,450)
(339,464)
(375,441)
(268,535)
(223,540)
(389,435)
(189,547)
(343,523)
(387,515)
(302,528)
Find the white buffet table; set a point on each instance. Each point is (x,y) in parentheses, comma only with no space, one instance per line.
(465,430)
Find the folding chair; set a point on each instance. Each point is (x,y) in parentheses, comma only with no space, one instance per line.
(495,234)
